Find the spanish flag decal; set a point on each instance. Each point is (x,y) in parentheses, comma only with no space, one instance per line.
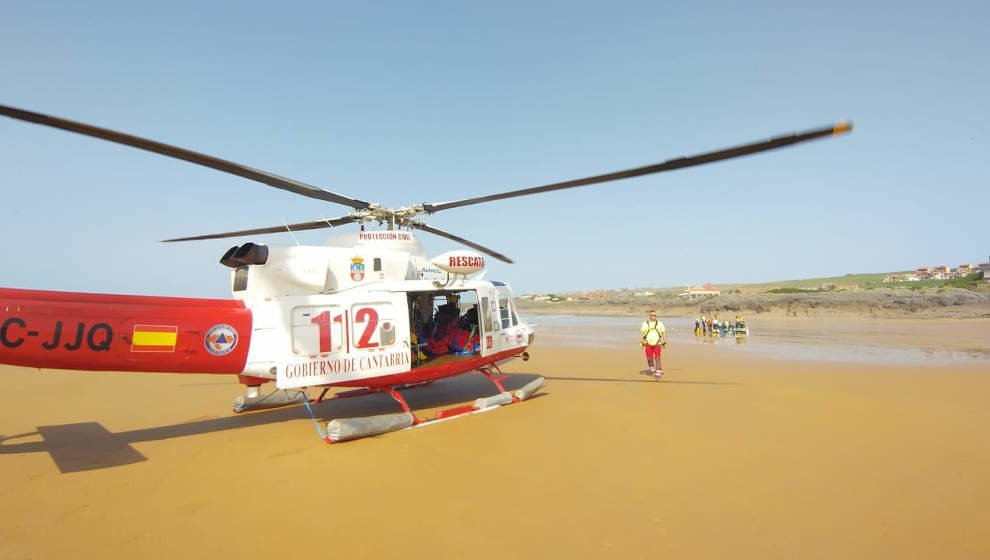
(154,338)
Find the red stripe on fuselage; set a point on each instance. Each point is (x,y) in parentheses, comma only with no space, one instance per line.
(150,348)
(84,331)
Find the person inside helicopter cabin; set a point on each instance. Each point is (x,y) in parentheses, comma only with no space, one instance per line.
(466,337)
(444,325)
(653,337)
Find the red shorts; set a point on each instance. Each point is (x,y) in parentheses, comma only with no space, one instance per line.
(653,351)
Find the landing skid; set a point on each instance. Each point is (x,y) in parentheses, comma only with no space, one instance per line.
(345,429)
(253,400)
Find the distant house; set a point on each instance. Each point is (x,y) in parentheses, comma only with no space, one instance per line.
(644,294)
(943,268)
(697,292)
(963,271)
(985,271)
(898,278)
(923,272)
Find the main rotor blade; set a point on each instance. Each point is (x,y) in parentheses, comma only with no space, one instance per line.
(451,236)
(669,165)
(274,229)
(183,154)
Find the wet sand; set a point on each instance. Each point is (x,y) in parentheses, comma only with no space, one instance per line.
(735,453)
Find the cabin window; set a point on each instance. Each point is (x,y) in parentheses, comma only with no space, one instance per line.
(318,330)
(515,319)
(377,264)
(503,310)
(372,325)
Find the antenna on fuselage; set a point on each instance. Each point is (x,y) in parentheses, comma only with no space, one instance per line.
(288,229)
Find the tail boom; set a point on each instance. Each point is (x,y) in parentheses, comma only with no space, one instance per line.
(104,332)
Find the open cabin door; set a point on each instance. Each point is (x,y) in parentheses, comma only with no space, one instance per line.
(445,326)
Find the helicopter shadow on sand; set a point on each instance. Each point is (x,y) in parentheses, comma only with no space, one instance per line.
(88,446)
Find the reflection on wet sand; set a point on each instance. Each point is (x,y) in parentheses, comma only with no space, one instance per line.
(931,342)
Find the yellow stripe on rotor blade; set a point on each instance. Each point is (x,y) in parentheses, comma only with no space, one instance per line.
(145,338)
(842,128)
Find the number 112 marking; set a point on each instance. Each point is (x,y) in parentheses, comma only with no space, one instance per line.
(366,315)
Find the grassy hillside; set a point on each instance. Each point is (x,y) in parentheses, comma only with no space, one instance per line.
(863,281)
(858,294)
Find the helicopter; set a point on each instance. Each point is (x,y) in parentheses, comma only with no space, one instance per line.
(368,311)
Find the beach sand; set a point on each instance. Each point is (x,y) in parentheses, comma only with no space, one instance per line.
(734,454)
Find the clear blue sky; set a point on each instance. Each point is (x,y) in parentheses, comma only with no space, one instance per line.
(410,102)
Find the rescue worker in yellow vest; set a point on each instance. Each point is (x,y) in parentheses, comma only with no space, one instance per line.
(653,337)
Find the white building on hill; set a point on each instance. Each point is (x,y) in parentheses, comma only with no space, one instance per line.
(697,292)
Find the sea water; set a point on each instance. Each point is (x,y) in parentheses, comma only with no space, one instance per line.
(855,341)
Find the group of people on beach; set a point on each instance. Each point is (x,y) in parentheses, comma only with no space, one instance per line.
(709,326)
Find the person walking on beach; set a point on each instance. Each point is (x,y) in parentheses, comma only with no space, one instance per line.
(653,337)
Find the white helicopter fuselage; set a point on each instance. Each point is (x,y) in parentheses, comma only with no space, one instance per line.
(341,314)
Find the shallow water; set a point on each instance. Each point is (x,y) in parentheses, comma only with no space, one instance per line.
(916,342)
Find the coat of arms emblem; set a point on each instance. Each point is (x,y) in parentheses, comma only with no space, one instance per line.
(357,269)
